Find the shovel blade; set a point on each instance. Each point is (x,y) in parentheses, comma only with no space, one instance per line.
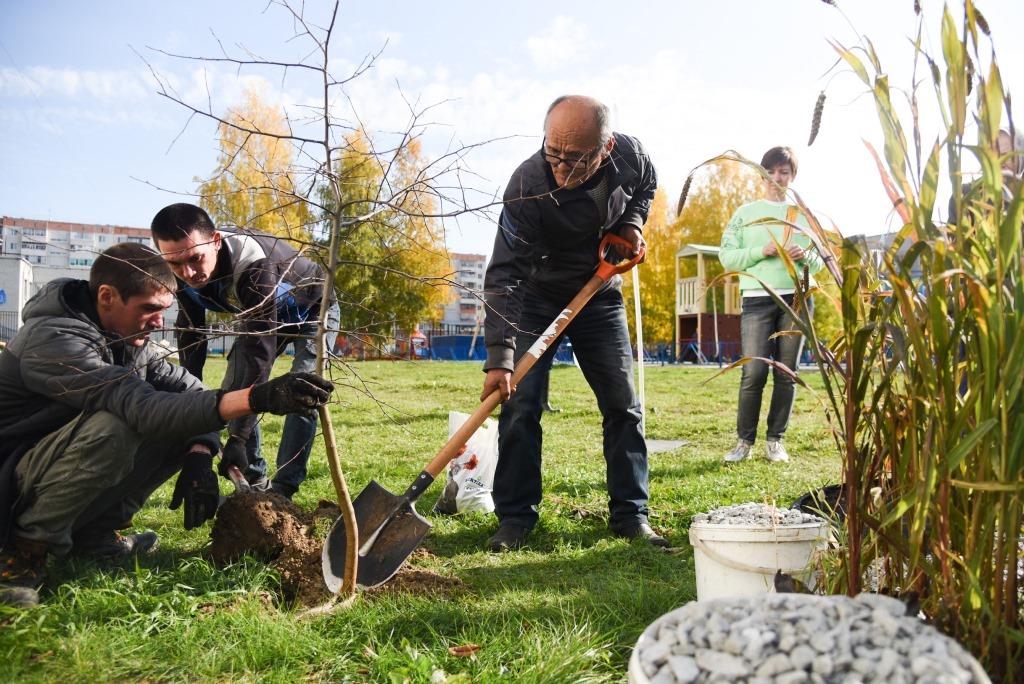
(397,540)
(399,528)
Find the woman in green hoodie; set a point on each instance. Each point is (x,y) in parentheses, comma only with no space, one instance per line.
(751,244)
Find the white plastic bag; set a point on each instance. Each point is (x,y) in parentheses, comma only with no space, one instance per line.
(471,473)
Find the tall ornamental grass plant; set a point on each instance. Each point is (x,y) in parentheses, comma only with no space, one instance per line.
(924,387)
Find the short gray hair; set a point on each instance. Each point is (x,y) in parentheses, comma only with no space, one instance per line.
(602,115)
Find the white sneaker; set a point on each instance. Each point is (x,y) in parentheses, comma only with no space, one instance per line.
(776,452)
(739,452)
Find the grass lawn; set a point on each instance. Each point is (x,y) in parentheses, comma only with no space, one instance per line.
(566,610)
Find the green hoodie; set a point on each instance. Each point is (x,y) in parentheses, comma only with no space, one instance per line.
(747,234)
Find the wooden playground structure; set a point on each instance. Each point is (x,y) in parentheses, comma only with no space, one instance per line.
(703,333)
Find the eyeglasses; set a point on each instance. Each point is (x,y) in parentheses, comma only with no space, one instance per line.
(573,162)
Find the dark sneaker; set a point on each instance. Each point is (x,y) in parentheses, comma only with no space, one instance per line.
(21,573)
(282,490)
(507,538)
(642,531)
(113,545)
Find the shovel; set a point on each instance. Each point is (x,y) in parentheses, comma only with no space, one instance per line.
(389,527)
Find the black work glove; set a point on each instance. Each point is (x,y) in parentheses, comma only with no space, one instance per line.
(196,487)
(291,393)
(233,454)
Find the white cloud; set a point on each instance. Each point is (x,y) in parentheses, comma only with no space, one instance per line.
(43,82)
(561,43)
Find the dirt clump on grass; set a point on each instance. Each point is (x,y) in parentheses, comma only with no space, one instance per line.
(261,524)
(301,570)
(275,530)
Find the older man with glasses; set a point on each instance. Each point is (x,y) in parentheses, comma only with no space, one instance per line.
(584,182)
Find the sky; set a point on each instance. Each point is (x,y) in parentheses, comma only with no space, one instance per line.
(85,136)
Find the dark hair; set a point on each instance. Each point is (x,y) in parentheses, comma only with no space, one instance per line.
(177,221)
(778,156)
(602,115)
(132,269)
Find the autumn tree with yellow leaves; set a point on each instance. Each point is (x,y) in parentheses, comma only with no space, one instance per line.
(657,275)
(392,261)
(714,196)
(253,186)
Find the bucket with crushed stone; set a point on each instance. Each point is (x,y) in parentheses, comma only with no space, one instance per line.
(738,549)
(789,638)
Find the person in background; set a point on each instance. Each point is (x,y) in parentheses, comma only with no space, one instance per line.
(750,244)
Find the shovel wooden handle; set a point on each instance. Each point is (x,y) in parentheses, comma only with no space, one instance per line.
(605,270)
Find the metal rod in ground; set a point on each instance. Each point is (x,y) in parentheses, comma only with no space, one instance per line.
(639,350)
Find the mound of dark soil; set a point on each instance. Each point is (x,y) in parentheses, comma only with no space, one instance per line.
(274,529)
(258,523)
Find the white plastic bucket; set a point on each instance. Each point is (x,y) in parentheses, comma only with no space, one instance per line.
(741,560)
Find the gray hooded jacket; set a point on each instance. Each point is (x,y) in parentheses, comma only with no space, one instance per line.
(61,363)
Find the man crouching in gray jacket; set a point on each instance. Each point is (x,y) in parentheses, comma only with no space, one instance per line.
(93,419)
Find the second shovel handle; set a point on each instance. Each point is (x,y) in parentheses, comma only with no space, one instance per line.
(605,270)
(526,362)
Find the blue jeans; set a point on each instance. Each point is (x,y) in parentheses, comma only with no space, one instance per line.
(762,318)
(600,340)
(299,431)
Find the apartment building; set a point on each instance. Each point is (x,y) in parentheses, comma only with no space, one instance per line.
(59,244)
(466,306)
(33,252)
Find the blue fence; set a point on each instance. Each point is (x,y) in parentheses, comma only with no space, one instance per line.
(457,348)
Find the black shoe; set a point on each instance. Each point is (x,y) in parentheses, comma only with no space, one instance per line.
(507,538)
(282,490)
(113,545)
(642,531)
(21,573)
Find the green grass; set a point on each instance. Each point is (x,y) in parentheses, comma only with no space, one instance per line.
(568,609)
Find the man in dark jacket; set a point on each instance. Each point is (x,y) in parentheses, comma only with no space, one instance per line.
(584,182)
(93,419)
(275,292)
